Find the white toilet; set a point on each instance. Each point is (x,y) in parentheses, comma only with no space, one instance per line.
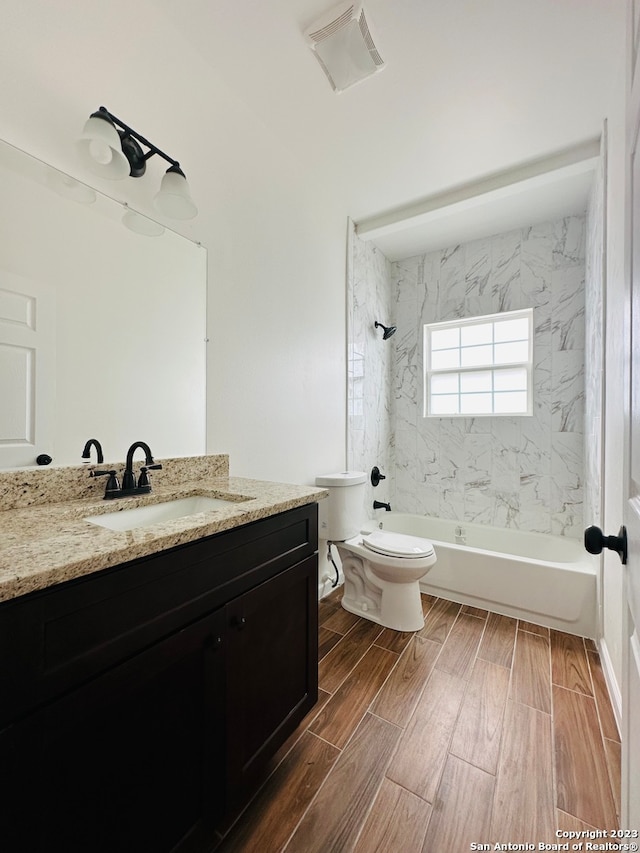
(382,570)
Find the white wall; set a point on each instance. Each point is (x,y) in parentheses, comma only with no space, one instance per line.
(275,231)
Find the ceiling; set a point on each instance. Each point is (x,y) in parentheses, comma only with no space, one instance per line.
(537,192)
(473,92)
(470,90)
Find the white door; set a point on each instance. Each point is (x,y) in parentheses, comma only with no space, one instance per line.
(27,370)
(631,617)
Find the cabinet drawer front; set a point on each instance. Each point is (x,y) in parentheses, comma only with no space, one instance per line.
(72,631)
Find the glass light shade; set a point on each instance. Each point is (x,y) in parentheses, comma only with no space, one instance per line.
(100,149)
(173,199)
(141,224)
(68,187)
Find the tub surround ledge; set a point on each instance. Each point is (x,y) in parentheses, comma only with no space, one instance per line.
(43,542)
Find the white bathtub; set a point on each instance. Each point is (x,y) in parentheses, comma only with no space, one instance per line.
(549,580)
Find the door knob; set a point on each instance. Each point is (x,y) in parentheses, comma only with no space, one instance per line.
(595,541)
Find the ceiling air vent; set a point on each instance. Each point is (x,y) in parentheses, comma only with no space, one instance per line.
(342,43)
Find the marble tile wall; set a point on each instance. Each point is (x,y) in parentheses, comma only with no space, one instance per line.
(594,364)
(370,362)
(508,472)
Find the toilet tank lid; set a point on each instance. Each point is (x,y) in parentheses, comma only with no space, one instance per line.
(342,478)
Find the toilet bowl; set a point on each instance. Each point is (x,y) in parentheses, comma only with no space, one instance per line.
(382,570)
(382,573)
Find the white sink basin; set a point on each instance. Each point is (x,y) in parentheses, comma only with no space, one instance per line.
(144,516)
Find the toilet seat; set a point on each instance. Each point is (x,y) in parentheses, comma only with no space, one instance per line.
(397,544)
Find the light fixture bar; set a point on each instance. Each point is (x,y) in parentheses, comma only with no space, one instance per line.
(111,149)
(153,149)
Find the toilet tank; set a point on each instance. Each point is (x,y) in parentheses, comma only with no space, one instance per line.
(340,516)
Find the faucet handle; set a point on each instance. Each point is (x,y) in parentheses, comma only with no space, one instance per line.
(113,484)
(143,479)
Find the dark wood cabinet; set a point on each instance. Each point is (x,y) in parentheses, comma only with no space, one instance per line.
(146,753)
(272,669)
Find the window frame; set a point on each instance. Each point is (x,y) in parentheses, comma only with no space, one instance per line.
(492,367)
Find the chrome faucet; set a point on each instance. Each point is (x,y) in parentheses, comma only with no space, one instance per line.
(129,486)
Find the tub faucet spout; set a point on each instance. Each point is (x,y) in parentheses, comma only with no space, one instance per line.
(381,505)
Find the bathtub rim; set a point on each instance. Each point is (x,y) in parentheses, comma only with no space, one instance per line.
(584,569)
(585,563)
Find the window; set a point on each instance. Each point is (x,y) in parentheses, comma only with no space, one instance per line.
(479,366)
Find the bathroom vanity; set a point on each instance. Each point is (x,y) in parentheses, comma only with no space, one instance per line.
(142,701)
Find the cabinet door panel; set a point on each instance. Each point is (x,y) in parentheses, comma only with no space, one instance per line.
(272,668)
(130,758)
(21,827)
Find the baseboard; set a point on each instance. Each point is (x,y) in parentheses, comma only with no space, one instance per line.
(325,587)
(612,685)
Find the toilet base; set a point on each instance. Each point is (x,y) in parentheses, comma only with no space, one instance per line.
(391,604)
(405,625)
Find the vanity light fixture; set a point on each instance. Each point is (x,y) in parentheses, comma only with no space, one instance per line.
(111,149)
(68,187)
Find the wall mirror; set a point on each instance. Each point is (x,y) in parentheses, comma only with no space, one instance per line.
(102,323)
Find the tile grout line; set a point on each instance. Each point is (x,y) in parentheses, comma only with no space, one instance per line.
(602,736)
(414,711)
(448,752)
(349,673)
(415,705)
(554,769)
(338,634)
(389,674)
(324,781)
(504,722)
(573,690)
(444,763)
(452,624)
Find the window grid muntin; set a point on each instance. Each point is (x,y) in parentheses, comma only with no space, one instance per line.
(491,367)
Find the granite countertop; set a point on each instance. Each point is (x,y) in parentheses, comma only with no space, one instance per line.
(50,543)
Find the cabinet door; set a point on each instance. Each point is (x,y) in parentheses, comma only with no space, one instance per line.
(134,760)
(20,791)
(272,669)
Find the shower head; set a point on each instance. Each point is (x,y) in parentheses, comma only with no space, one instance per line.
(388,330)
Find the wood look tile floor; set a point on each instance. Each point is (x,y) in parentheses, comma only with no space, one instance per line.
(478,728)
